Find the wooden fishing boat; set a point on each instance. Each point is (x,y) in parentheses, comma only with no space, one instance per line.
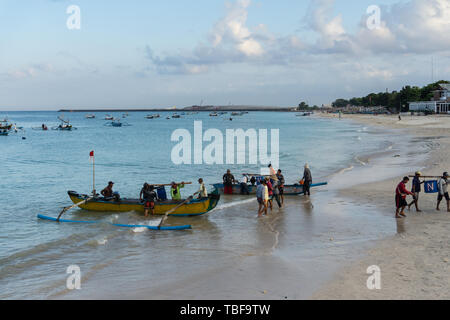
(289,190)
(5,125)
(4,132)
(195,207)
(90,116)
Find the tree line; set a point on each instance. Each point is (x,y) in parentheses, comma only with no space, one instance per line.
(395,100)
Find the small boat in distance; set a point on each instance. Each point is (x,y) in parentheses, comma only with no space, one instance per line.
(109,117)
(213,114)
(5,125)
(64,126)
(90,116)
(176,116)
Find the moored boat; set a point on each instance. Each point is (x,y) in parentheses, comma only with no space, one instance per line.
(289,190)
(5,125)
(194,207)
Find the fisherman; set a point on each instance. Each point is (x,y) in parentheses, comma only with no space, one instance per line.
(175,191)
(44,127)
(416,189)
(262,195)
(244,185)
(108,191)
(281,185)
(203,193)
(443,191)
(149,197)
(270,190)
(228,180)
(400,198)
(307,180)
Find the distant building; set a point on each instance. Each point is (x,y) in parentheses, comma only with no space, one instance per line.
(440,103)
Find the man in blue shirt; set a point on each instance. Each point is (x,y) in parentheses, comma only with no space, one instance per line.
(416,189)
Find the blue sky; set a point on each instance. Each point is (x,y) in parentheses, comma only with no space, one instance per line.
(177,53)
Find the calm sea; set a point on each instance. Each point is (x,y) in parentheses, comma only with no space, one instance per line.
(36,173)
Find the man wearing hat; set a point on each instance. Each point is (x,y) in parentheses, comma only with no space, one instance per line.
(416,189)
(443,192)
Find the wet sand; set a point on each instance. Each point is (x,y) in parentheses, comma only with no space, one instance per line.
(415,262)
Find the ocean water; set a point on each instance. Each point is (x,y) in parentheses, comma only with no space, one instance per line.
(36,173)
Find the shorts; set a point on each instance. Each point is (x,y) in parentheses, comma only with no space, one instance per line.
(228,189)
(416,196)
(149,205)
(281,190)
(400,202)
(445,195)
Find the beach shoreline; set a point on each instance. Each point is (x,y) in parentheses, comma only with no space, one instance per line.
(414,263)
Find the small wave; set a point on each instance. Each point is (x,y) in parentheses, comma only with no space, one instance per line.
(235,203)
(360,161)
(346,169)
(139,229)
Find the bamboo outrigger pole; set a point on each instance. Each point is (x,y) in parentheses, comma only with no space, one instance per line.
(428,177)
(174,209)
(74,206)
(168,185)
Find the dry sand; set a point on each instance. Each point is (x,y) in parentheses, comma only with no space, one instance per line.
(414,264)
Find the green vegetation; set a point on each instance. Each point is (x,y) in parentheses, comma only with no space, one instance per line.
(393,100)
(303,106)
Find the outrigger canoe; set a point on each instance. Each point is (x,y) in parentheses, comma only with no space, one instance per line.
(289,190)
(195,207)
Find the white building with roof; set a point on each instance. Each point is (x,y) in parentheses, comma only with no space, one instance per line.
(439,105)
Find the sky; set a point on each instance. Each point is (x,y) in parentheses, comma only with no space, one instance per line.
(145,53)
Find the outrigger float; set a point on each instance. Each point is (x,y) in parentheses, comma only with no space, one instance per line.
(289,190)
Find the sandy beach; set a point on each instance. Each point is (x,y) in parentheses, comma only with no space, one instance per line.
(415,263)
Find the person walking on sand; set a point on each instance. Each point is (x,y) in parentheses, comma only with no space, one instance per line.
(262,195)
(443,191)
(416,189)
(307,180)
(400,198)
(281,185)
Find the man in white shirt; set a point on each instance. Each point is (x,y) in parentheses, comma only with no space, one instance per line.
(443,191)
(203,193)
(244,185)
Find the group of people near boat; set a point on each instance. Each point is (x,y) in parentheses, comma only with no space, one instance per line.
(269,188)
(402,192)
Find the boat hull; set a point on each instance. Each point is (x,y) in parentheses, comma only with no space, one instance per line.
(195,207)
(289,190)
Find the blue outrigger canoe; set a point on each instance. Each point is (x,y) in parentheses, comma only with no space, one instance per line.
(154,228)
(289,190)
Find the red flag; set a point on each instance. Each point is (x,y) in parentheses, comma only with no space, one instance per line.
(91,155)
